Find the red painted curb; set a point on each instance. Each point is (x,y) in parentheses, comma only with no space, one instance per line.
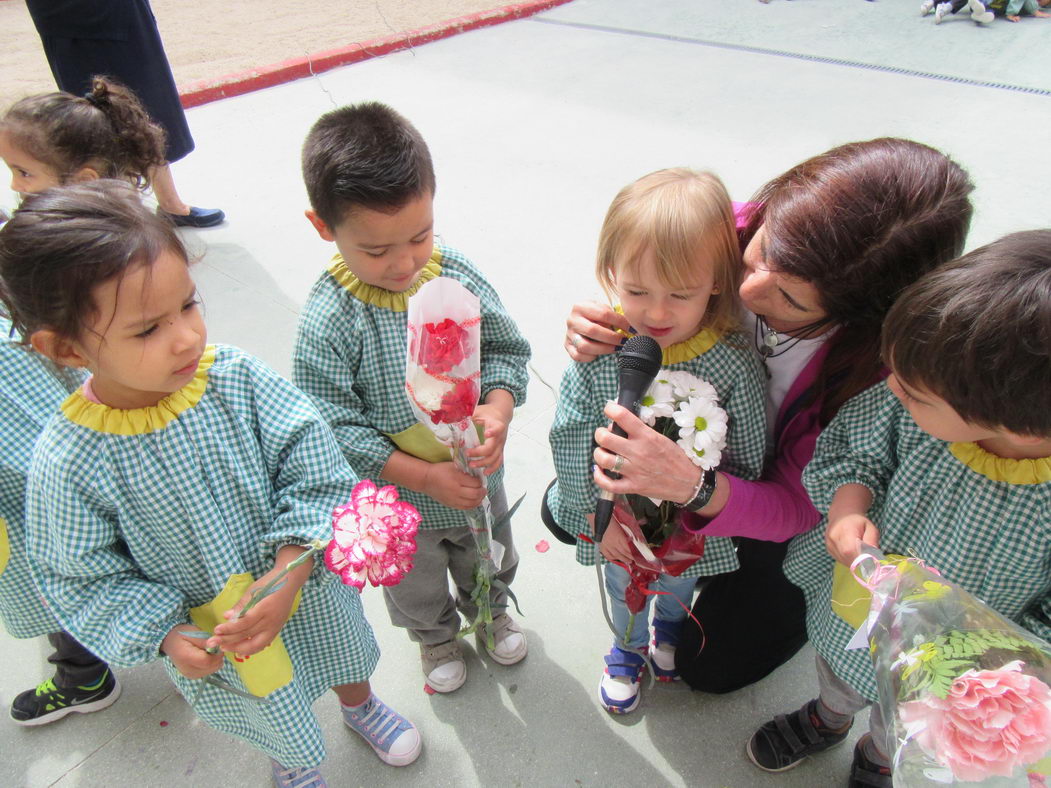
(206,90)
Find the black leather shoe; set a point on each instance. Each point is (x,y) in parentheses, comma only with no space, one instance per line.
(197,217)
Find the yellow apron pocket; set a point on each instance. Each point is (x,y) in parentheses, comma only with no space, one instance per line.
(5,545)
(851,600)
(420,442)
(264,672)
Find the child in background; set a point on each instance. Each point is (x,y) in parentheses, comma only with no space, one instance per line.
(370,180)
(48,140)
(950,459)
(56,138)
(668,252)
(979,10)
(31,389)
(177,479)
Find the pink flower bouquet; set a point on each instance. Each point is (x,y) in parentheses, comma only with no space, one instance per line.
(442,373)
(967,689)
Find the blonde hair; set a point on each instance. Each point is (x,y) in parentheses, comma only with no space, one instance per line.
(682,215)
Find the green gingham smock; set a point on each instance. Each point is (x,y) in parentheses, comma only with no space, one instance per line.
(350,356)
(146,513)
(729,364)
(31,389)
(982,521)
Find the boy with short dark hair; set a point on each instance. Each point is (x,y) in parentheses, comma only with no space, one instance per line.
(370,180)
(950,459)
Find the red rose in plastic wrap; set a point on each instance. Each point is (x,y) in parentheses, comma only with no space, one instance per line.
(444,345)
(457,404)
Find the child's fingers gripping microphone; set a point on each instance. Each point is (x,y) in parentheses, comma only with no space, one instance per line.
(639,361)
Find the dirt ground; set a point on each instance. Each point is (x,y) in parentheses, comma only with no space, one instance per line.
(212,38)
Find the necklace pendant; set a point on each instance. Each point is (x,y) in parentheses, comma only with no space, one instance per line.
(770,342)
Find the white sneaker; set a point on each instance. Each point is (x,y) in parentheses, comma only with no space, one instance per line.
(926,7)
(940,11)
(443,666)
(979,13)
(509,641)
(619,689)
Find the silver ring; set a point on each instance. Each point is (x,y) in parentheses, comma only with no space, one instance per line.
(574,340)
(618,464)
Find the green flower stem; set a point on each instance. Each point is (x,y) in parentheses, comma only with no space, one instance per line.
(276,582)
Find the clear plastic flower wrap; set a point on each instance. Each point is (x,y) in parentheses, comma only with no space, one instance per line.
(442,381)
(966,693)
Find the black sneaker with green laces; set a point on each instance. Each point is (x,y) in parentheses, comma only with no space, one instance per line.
(48,702)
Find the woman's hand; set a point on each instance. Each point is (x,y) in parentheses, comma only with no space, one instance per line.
(590,330)
(651,464)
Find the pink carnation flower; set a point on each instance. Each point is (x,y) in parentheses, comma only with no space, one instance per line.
(990,722)
(373,537)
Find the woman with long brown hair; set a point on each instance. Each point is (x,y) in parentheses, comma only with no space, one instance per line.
(828,246)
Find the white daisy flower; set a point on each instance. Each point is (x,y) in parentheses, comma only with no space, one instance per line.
(658,402)
(686,385)
(702,430)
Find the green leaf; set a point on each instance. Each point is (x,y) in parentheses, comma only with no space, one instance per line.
(508,514)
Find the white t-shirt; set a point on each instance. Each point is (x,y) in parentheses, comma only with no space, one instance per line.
(783,368)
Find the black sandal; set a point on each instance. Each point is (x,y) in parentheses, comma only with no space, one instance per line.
(787,739)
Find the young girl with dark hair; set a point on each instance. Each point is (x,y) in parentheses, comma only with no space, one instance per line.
(180,477)
(828,247)
(57,138)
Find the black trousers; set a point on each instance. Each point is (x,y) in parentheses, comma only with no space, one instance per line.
(753,621)
(74,664)
(119,39)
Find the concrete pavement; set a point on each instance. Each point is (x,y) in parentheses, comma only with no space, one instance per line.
(534,125)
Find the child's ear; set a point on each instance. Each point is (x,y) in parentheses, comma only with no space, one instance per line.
(57,348)
(85,174)
(319,225)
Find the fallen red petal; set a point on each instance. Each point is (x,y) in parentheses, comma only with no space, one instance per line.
(542,546)
(429,689)
(164,723)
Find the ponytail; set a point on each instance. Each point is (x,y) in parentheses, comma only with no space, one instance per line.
(107,129)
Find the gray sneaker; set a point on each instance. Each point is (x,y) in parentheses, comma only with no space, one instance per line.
(443,666)
(926,7)
(509,641)
(979,13)
(941,11)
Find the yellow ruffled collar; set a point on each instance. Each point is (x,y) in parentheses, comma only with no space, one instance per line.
(381,297)
(1002,469)
(697,345)
(139,421)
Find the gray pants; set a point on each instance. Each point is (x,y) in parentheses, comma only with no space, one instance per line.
(421,602)
(840,698)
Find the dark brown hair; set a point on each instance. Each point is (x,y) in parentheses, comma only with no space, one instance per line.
(107,129)
(365,155)
(977,333)
(62,243)
(861,222)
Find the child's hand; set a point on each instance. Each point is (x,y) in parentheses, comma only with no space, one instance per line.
(615,544)
(490,455)
(448,485)
(842,536)
(258,627)
(188,654)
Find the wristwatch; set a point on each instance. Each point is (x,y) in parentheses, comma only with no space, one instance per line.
(702,493)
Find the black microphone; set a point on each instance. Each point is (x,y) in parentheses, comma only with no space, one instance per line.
(640,361)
